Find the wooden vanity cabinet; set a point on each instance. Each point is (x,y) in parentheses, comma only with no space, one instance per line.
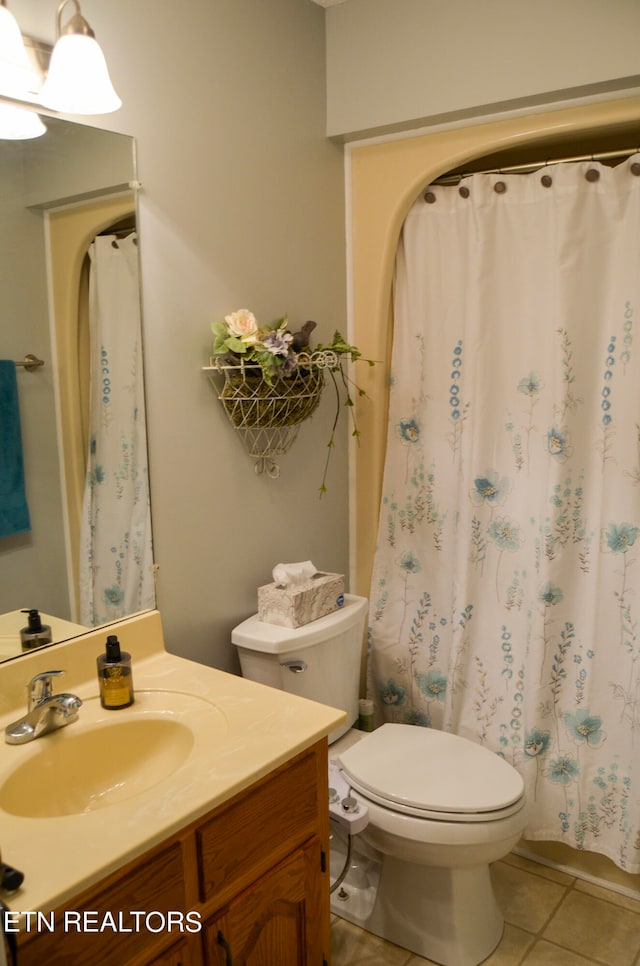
(255,870)
(266,923)
(184,953)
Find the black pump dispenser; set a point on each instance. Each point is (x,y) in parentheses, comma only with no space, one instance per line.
(114,654)
(35,621)
(114,676)
(35,634)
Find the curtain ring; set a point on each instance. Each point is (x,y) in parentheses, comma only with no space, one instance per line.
(430,197)
(635,168)
(500,187)
(464,192)
(592,175)
(546,180)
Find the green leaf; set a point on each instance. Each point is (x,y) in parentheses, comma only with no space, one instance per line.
(220,337)
(234,344)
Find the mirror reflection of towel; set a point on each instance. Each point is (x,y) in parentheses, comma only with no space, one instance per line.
(14,512)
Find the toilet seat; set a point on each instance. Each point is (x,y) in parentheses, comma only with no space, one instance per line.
(432,775)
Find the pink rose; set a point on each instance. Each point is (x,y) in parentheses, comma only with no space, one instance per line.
(243,325)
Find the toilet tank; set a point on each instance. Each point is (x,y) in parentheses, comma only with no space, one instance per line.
(320,660)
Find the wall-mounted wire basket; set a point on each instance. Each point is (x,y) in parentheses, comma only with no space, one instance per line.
(268,417)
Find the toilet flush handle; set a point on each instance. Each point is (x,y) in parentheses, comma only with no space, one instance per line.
(296,667)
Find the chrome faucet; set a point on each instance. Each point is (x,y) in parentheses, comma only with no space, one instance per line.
(46,711)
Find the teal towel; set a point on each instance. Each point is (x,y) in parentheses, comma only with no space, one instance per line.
(14,512)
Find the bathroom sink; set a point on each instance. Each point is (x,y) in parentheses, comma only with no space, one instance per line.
(73,771)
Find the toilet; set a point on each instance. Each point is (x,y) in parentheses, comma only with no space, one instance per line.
(440,808)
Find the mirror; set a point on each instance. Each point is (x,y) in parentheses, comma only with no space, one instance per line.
(59,193)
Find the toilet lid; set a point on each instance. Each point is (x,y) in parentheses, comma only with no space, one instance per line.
(422,769)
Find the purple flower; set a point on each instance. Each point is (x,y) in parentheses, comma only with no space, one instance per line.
(278,341)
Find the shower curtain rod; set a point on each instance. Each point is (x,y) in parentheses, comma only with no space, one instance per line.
(120,232)
(527,167)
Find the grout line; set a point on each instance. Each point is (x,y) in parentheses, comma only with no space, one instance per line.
(538,936)
(539,873)
(564,949)
(568,888)
(611,902)
(578,873)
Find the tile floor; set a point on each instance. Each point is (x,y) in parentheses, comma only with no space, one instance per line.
(551,919)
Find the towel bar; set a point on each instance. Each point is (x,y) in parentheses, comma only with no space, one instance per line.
(31,362)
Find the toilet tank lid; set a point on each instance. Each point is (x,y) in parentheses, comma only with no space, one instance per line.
(257,635)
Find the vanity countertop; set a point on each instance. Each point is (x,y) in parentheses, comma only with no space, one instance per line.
(13,621)
(242,730)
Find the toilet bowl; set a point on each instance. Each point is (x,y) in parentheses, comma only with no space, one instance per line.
(436,828)
(440,807)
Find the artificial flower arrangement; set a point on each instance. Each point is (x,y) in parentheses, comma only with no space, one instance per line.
(282,357)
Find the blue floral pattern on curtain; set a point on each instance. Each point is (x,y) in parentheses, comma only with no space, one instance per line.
(505,595)
(116,557)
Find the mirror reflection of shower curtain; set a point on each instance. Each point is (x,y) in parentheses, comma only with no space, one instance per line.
(116,563)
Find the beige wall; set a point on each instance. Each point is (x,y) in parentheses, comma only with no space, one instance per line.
(241,206)
(400,63)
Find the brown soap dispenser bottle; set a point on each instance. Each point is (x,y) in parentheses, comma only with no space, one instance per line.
(114,676)
(35,634)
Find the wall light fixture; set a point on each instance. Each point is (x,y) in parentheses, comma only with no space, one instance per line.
(18,79)
(78,80)
(18,124)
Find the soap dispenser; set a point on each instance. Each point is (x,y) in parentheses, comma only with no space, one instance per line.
(35,634)
(114,676)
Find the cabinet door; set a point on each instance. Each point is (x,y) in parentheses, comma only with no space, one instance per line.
(185,953)
(267,924)
(156,883)
(260,828)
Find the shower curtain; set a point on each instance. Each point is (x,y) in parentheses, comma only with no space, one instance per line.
(505,600)
(116,565)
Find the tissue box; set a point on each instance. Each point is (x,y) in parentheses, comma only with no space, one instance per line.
(301,603)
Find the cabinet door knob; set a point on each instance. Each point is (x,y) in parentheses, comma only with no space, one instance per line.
(225,945)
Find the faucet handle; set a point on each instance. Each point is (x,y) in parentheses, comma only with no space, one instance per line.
(40,687)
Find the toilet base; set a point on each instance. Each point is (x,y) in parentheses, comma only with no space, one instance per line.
(449,916)
(355,897)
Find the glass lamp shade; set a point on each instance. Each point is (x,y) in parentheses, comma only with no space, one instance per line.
(16,124)
(78,81)
(17,76)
